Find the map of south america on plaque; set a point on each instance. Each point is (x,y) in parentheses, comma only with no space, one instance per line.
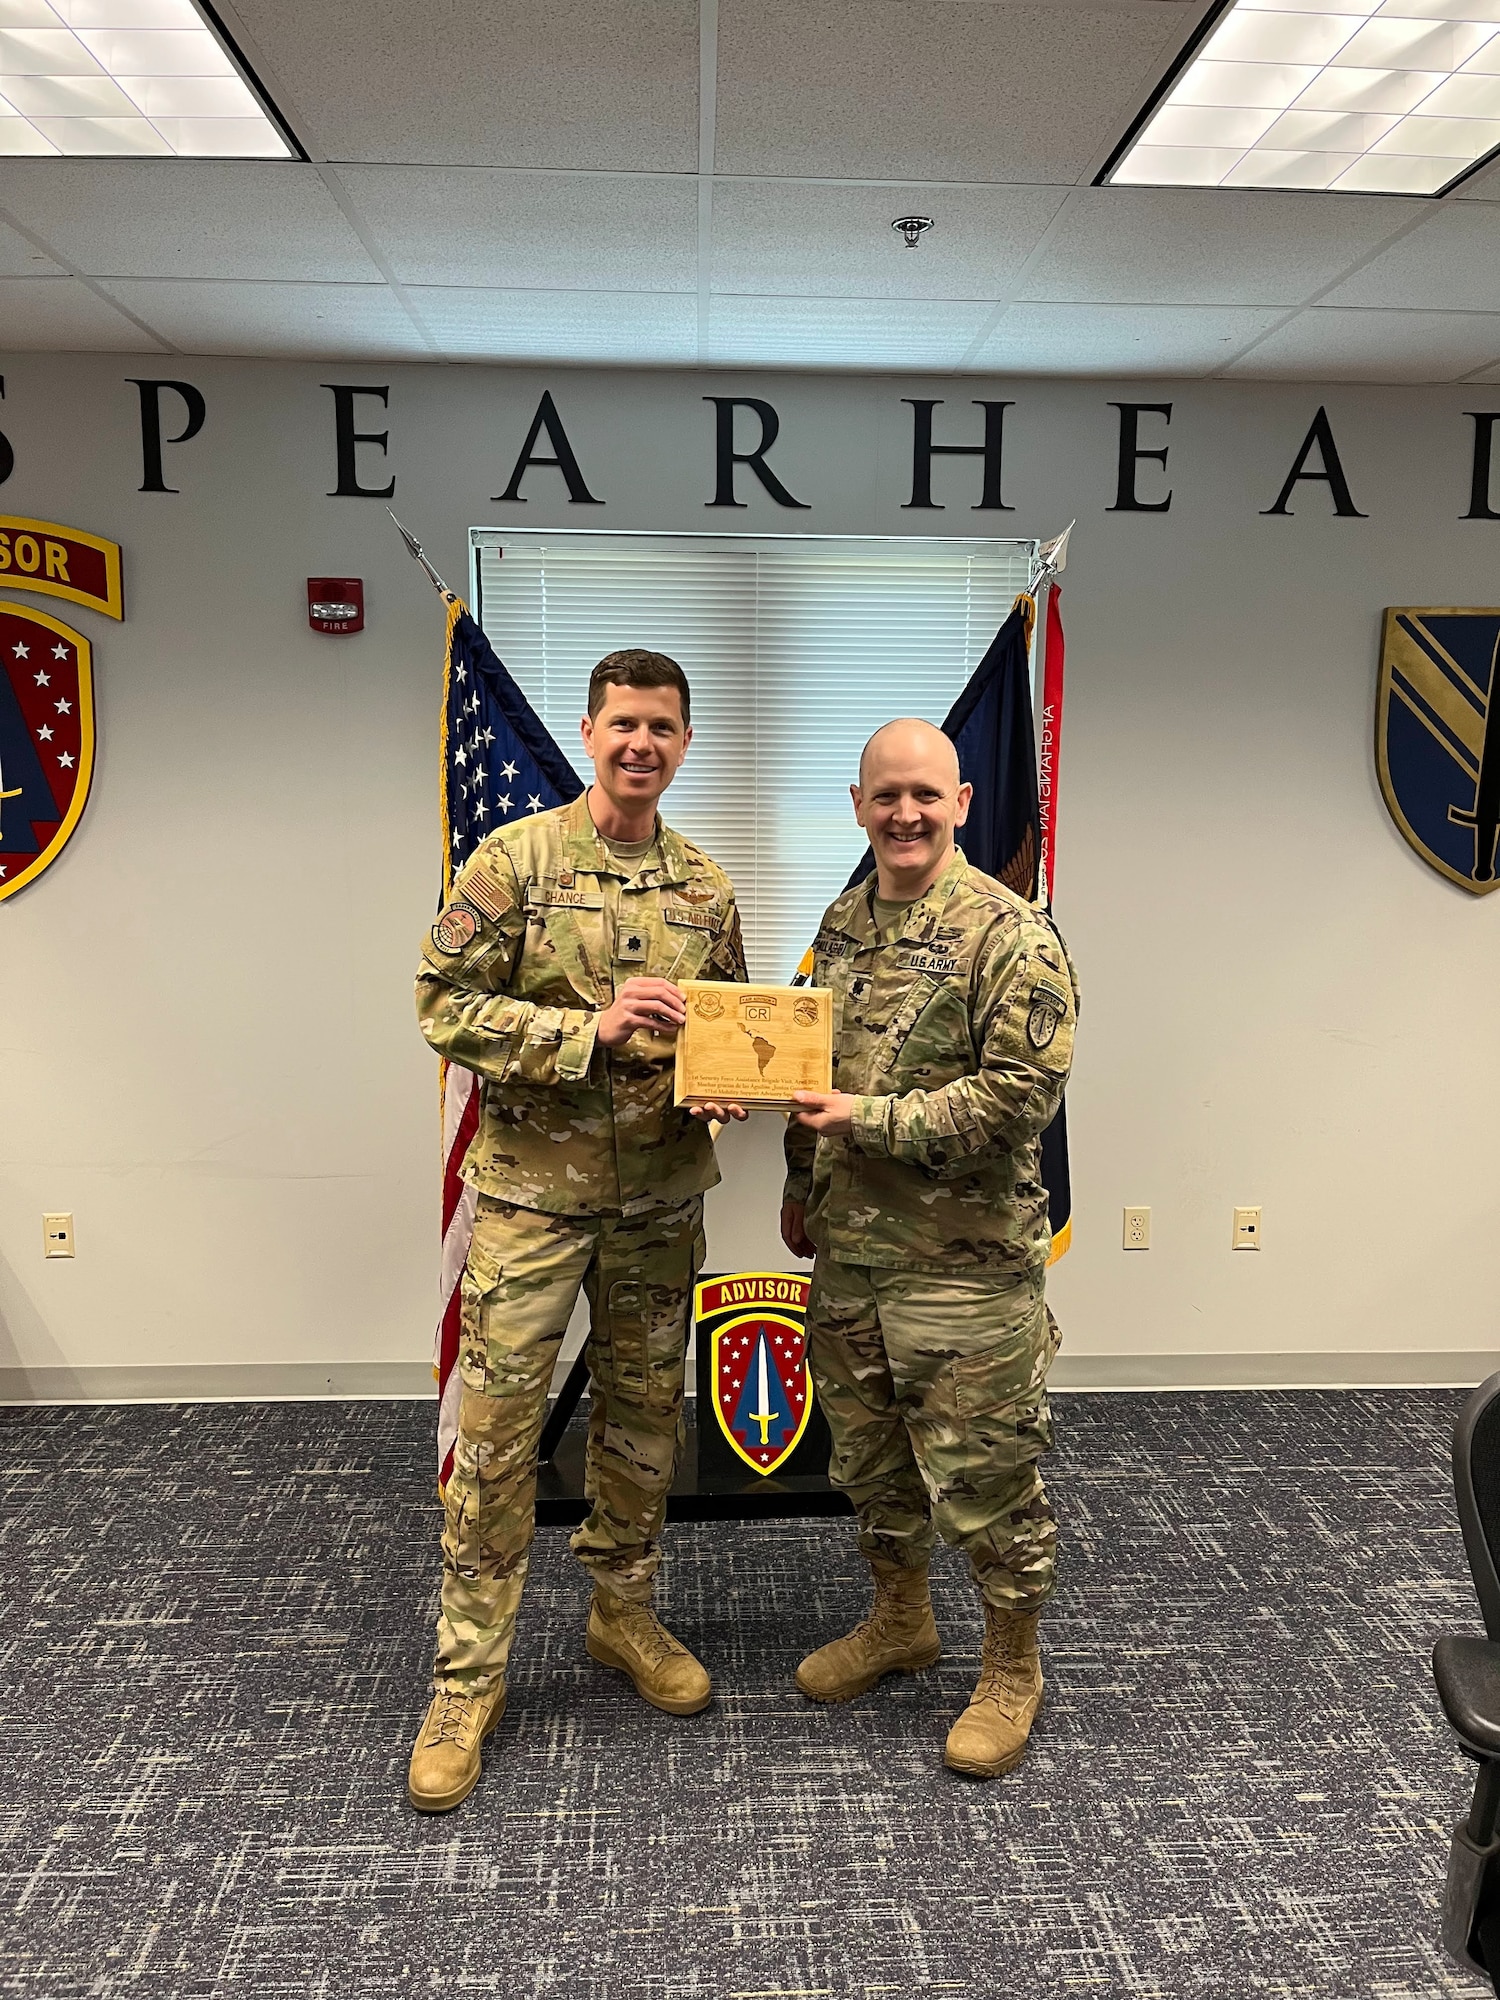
(753,1045)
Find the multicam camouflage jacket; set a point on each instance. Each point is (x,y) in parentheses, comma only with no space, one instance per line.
(541,925)
(955,1039)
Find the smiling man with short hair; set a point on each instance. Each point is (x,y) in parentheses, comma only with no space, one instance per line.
(917,1184)
(551,973)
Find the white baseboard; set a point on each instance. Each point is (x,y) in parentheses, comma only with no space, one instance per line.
(355,1381)
(268,1382)
(1384,1370)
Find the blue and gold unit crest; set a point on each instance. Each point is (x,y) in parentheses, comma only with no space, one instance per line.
(752,1348)
(1437,737)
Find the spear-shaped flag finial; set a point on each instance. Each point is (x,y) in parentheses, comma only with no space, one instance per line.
(414,550)
(1052,556)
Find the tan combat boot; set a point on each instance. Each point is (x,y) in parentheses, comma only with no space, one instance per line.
(898,1637)
(990,1737)
(632,1639)
(445,1763)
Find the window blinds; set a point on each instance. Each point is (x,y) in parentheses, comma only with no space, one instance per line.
(797,649)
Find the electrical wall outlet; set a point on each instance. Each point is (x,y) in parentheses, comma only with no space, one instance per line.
(1246,1229)
(1137,1229)
(57,1235)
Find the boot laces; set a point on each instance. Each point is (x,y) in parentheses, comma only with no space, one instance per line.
(883,1613)
(647,1633)
(1005,1671)
(454,1718)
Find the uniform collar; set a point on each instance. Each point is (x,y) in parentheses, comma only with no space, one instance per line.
(585,852)
(922,916)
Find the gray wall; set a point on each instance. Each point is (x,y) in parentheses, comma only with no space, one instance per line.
(206,1042)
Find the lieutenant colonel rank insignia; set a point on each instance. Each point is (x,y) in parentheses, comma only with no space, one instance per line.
(757,1362)
(1437,737)
(46,741)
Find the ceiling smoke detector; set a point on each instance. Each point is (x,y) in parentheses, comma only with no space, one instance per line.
(913,228)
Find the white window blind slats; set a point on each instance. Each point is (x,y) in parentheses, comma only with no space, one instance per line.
(796,649)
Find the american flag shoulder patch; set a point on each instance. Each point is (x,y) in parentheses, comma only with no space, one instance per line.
(478,886)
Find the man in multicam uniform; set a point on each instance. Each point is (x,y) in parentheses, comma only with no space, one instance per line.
(916,1181)
(551,974)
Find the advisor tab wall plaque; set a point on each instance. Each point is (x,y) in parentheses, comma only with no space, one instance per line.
(61,562)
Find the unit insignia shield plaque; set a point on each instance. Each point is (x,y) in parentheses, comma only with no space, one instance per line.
(1437,737)
(46,741)
(763,1394)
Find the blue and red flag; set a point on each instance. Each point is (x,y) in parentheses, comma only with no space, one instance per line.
(1006,834)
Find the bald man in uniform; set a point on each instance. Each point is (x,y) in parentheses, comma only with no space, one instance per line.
(916,1183)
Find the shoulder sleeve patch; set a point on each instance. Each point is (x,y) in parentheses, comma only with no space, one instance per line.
(1046,1011)
(479,884)
(455,930)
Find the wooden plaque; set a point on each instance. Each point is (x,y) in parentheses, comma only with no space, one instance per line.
(753,1045)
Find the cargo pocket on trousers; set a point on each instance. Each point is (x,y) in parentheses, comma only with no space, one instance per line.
(1000,1434)
(628,1355)
(462,1537)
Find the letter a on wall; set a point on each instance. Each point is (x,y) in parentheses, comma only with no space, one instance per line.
(46,740)
(1437,737)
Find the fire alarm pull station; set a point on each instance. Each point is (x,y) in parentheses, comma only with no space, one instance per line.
(336,603)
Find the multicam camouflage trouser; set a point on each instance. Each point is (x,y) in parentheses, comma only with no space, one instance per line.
(519,1289)
(935,1390)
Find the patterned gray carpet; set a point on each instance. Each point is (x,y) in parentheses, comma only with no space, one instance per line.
(214,1636)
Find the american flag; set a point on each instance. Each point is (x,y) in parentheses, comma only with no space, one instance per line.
(499,764)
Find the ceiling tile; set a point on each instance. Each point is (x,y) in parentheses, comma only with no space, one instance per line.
(1206,246)
(1330,344)
(552,232)
(1451,260)
(643,327)
(841,333)
(780,237)
(925,89)
(20,259)
(205,316)
(1119,340)
(62,314)
(497,83)
(186,218)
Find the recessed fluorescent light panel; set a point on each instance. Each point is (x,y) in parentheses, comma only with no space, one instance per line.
(146,77)
(1365,96)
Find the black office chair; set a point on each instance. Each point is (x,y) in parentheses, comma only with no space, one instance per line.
(1467,1672)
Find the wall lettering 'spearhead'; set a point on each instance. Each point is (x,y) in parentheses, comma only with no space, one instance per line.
(1329,468)
(153,479)
(923,450)
(563,457)
(1132,451)
(347,440)
(726,458)
(1138,489)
